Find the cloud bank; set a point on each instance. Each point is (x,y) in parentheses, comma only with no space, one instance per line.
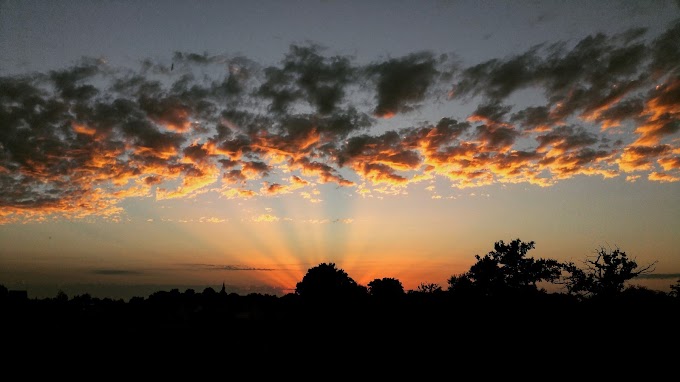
(75,142)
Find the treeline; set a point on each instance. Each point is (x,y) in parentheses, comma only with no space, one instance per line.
(504,283)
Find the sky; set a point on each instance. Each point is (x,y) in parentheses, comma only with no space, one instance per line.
(150,145)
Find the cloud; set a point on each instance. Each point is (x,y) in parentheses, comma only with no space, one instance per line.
(497,79)
(344,221)
(218,267)
(563,139)
(402,83)
(76,142)
(636,158)
(663,177)
(306,74)
(214,220)
(266,218)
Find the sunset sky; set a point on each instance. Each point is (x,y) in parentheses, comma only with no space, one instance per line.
(173,144)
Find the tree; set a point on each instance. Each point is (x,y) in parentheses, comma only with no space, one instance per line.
(506,270)
(386,288)
(675,289)
(61,297)
(429,288)
(209,292)
(4,292)
(605,275)
(326,282)
(461,284)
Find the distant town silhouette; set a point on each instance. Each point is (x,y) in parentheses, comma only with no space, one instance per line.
(498,299)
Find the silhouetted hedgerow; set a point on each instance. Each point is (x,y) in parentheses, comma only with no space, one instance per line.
(499,294)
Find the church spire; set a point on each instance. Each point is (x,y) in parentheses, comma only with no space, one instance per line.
(224,289)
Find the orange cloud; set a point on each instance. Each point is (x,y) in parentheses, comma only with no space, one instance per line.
(195,178)
(83,129)
(265,218)
(233,193)
(670,163)
(662,113)
(663,177)
(640,158)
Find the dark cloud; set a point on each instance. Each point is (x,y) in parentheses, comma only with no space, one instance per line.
(196,152)
(170,112)
(195,58)
(306,74)
(490,113)
(402,83)
(343,122)
(151,180)
(566,138)
(234,176)
(621,111)
(432,138)
(595,73)
(497,79)
(536,118)
(496,138)
(69,82)
(666,52)
(367,147)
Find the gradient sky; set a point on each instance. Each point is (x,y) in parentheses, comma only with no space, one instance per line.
(163,144)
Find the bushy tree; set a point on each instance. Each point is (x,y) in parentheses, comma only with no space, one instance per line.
(327,282)
(675,289)
(429,288)
(4,292)
(386,288)
(61,297)
(461,284)
(604,275)
(506,270)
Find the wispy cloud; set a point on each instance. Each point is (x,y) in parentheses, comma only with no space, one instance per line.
(218,267)
(266,218)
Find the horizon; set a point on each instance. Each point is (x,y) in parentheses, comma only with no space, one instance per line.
(178,146)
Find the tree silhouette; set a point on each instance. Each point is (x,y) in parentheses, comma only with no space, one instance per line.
(209,292)
(386,288)
(326,282)
(605,275)
(506,270)
(675,289)
(461,284)
(4,292)
(429,288)
(61,297)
